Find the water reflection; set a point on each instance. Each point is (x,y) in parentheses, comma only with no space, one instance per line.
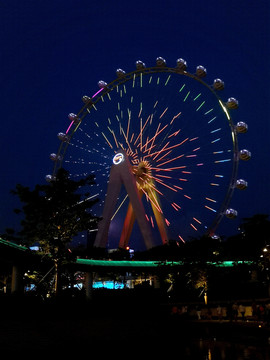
(220,350)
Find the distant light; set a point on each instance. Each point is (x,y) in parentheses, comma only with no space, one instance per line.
(108,285)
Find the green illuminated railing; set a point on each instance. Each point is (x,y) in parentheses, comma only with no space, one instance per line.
(13,245)
(149,264)
(131,263)
(122,263)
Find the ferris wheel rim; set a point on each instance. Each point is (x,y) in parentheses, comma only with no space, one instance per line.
(84,110)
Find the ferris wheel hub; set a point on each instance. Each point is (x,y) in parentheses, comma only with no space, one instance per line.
(142,172)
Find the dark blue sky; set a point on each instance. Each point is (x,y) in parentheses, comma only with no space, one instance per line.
(53,53)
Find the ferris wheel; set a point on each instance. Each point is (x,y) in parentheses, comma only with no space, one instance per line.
(164,151)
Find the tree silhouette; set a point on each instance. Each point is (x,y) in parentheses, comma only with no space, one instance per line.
(54,214)
(253,237)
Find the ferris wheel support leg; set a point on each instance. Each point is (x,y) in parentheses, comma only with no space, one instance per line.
(127,228)
(137,205)
(122,174)
(128,225)
(159,217)
(113,190)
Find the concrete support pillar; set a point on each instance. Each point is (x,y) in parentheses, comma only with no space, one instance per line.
(16,280)
(89,285)
(156,282)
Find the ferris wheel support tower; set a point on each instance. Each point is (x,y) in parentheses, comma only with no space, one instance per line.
(122,174)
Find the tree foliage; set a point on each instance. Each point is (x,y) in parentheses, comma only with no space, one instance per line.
(54,213)
(254,235)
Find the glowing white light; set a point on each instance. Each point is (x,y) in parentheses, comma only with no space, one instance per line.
(224,109)
(118,158)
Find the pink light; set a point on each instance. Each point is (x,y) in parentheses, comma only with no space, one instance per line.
(72,122)
(180,237)
(92,97)
(174,206)
(97,92)
(178,187)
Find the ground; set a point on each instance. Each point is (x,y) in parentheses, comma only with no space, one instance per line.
(78,327)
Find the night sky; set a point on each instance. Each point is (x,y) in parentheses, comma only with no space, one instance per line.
(53,53)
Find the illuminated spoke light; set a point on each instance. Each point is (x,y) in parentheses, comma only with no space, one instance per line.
(212,200)
(169,148)
(168,161)
(167,80)
(180,237)
(175,117)
(200,106)
(214,131)
(163,156)
(164,176)
(163,184)
(175,133)
(163,113)
(119,207)
(182,87)
(208,112)
(197,97)
(107,140)
(175,206)
(178,187)
(222,161)
(209,208)
(186,96)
